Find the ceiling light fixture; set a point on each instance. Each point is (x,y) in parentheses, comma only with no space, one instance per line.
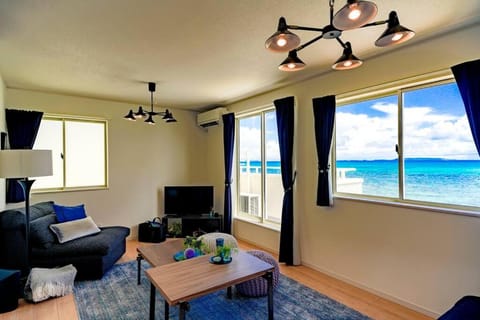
(141,114)
(355,14)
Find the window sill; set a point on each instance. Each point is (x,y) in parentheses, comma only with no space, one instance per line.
(266,225)
(406,205)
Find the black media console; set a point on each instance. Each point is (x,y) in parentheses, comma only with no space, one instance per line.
(191,224)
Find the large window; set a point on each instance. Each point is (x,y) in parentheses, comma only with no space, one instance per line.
(413,145)
(260,191)
(79,153)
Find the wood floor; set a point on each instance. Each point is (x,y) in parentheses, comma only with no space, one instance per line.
(64,308)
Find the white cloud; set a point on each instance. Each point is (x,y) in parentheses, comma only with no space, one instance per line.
(426,134)
(250,145)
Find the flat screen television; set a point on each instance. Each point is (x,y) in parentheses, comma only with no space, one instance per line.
(188,200)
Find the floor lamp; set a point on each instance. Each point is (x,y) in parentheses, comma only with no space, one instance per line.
(21,164)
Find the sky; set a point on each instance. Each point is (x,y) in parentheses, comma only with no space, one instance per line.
(250,138)
(434,126)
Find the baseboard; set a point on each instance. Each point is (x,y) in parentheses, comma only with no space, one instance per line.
(258,245)
(402,302)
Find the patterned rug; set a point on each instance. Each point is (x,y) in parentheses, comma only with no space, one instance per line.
(117,296)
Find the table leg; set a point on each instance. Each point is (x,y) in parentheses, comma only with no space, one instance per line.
(184,307)
(139,267)
(269,277)
(229,292)
(152,301)
(167,310)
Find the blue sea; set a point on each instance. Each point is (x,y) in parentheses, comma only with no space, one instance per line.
(454,182)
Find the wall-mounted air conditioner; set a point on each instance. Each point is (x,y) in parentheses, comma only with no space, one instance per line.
(210,118)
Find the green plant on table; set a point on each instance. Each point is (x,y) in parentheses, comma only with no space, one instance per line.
(225,252)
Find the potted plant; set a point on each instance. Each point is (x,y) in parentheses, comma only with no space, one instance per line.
(175,229)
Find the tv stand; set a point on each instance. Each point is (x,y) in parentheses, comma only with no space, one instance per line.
(196,223)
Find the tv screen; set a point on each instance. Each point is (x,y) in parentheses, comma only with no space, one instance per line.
(188,200)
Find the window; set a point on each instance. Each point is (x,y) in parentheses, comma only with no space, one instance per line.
(260,191)
(79,153)
(414,145)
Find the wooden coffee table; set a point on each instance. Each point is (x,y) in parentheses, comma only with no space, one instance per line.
(183,281)
(158,254)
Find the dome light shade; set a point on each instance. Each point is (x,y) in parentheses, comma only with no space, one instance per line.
(282,40)
(395,33)
(292,63)
(354,14)
(347,61)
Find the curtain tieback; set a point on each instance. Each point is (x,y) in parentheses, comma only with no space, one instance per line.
(323,170)
(290,187)
(228,182)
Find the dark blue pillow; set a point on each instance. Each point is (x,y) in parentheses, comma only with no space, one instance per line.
(65,213)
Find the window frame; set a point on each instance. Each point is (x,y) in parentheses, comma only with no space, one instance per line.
(72,118)
(262,220)
(397,88)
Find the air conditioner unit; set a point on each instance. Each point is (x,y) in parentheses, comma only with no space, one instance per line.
(210,118)
(250,203)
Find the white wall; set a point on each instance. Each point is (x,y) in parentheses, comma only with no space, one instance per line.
(142,158)
(423,259)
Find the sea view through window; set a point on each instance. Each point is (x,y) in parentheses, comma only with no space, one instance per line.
(414,145)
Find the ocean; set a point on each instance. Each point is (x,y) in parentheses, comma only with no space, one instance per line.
(455,182)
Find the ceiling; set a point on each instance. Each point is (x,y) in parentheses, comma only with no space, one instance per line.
(200,53)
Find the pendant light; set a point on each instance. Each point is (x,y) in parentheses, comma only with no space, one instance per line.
(141,114)
(347,61)
(355,14)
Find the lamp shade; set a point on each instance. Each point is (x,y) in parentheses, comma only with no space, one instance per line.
(24,163)
(292,63)
(354,15)
(348,60)
(282,40)
(395,32)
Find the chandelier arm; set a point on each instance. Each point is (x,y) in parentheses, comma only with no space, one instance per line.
(306,44)
(376,23)
(294,27)
(344,46)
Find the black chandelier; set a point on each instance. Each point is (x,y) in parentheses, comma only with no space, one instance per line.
(355,14)
(141,114)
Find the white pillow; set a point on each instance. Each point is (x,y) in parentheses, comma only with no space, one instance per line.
(75,229)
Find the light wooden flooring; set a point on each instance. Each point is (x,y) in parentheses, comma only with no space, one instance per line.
(367,303)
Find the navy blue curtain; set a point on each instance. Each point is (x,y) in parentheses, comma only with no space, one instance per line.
(284,109)
(228,142)
(324,117)
(22,127)
(467,75)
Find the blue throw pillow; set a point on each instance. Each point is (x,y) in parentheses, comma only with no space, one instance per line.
(65,213)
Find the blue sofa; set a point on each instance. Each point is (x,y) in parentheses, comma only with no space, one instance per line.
(92,255)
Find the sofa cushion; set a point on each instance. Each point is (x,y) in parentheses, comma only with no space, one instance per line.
(71,230)
(93,245)
(66,213)
(40,233)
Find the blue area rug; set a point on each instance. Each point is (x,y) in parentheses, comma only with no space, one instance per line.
(117,296)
